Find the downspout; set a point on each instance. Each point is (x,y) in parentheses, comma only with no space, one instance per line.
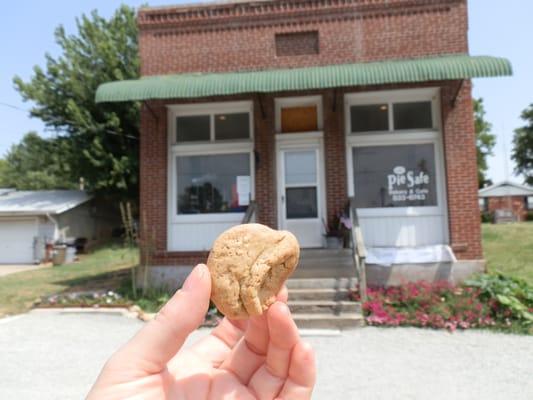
(48,251)
(54,221)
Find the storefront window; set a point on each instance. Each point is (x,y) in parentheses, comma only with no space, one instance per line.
(194,128)
(228,126)
(232,126)
(412,115)
(371,117)
(394,176)
(218,183)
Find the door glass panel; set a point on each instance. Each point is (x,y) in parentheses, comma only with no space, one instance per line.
(394,176)
(301,202)
(300,167)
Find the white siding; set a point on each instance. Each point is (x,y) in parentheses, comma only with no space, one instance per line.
(403,231)
(194,236)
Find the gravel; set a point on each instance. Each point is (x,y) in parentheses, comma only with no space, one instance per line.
(55,355)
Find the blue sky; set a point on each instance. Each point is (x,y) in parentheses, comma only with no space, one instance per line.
(495,29)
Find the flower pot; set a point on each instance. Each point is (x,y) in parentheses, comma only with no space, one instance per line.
(333,242)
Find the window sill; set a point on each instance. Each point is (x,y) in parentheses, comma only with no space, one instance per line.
(208,218)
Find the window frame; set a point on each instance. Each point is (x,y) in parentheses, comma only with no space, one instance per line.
(391,97)
(400,137)
(210,109)
(203,148)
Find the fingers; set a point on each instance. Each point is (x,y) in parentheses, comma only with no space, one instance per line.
(249,353)
(155,344)
(268,381)
(302,374)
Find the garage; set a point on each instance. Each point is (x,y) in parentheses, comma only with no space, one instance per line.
(16,240)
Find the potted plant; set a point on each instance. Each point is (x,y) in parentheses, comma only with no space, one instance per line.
(337,233)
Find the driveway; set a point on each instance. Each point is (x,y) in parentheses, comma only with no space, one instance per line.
(55,355)
(6,269)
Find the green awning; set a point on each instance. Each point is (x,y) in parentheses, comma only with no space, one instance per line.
(374,73)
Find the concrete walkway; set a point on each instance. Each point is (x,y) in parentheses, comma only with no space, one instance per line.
(54,355)
(13,269)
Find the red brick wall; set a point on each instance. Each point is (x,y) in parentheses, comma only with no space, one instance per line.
(177,40)
(515,203)
(241,37)
(461,171)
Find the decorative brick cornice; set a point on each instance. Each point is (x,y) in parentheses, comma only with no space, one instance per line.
(236,15)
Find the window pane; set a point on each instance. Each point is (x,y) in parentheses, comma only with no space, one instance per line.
(208,184)
(299,119)
(193,128)
(232,126)
(300,167)
(301,202)
(394,176)
(373,117)
(412,115)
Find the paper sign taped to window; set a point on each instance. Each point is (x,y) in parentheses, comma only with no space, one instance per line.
(243,189)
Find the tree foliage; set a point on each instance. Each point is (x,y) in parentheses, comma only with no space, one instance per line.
(98,142)
(485,141)
(36,164)
(522,152)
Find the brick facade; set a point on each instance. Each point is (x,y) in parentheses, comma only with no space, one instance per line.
(230,37)
(518,204)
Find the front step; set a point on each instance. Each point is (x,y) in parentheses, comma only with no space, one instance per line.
(324,307)
(319,294)
(325,283)
(327,321)
(324,303)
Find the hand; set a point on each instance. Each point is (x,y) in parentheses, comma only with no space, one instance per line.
(259,358)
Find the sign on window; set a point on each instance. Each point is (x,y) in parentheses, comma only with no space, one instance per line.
(394,176)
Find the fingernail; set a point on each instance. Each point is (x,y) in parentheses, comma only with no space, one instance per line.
(285,309)
(198,273)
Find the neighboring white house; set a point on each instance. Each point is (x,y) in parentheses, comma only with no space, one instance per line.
(510,197)
(31,219)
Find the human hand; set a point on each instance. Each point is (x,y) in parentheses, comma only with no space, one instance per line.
(259,358)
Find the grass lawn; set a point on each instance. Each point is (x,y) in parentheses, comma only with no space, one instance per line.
(19,291)
(508,248)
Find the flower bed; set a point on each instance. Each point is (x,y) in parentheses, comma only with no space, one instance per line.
(490,301)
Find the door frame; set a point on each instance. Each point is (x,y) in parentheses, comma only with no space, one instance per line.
(301,141)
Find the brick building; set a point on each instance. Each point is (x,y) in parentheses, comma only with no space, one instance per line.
(507,198)
(298,106)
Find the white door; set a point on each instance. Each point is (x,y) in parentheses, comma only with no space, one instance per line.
(16,241)
(301,194)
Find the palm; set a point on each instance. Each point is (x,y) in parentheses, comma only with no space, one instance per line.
(261,358)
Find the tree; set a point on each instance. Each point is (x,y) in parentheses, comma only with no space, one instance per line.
(99,141)
(485,142)
(522,152)
(35,164)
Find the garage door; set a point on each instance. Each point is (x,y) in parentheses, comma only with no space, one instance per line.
(16,241)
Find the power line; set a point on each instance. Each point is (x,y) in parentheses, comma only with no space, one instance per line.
(70,122)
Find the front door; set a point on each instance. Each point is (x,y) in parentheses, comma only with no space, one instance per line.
(300,192)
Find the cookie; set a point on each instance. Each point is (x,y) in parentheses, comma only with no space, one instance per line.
(249,264)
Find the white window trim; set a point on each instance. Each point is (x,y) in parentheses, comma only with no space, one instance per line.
(302,101)
(389,97)
(205,148)
(399,137)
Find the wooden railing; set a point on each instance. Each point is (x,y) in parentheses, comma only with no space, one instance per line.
(250,211)
(358,250)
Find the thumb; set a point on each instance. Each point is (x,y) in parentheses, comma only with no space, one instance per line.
(155,344)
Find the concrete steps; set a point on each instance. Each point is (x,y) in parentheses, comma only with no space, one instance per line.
(324,303)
